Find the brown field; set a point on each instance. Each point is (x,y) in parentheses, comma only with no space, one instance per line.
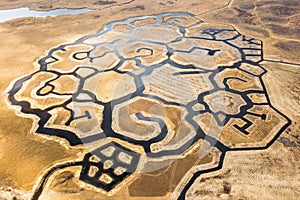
(271,173)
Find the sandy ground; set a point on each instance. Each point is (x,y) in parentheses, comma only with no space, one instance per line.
(268,174)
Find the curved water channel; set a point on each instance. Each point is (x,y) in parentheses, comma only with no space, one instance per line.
(6,15)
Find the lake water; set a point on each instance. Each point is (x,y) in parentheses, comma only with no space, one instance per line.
(10,14)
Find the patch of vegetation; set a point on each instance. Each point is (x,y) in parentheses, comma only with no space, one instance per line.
(104,2)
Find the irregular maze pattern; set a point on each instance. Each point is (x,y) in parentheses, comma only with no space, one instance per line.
(160,84)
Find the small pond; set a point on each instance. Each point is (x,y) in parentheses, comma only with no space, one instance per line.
(6,15)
